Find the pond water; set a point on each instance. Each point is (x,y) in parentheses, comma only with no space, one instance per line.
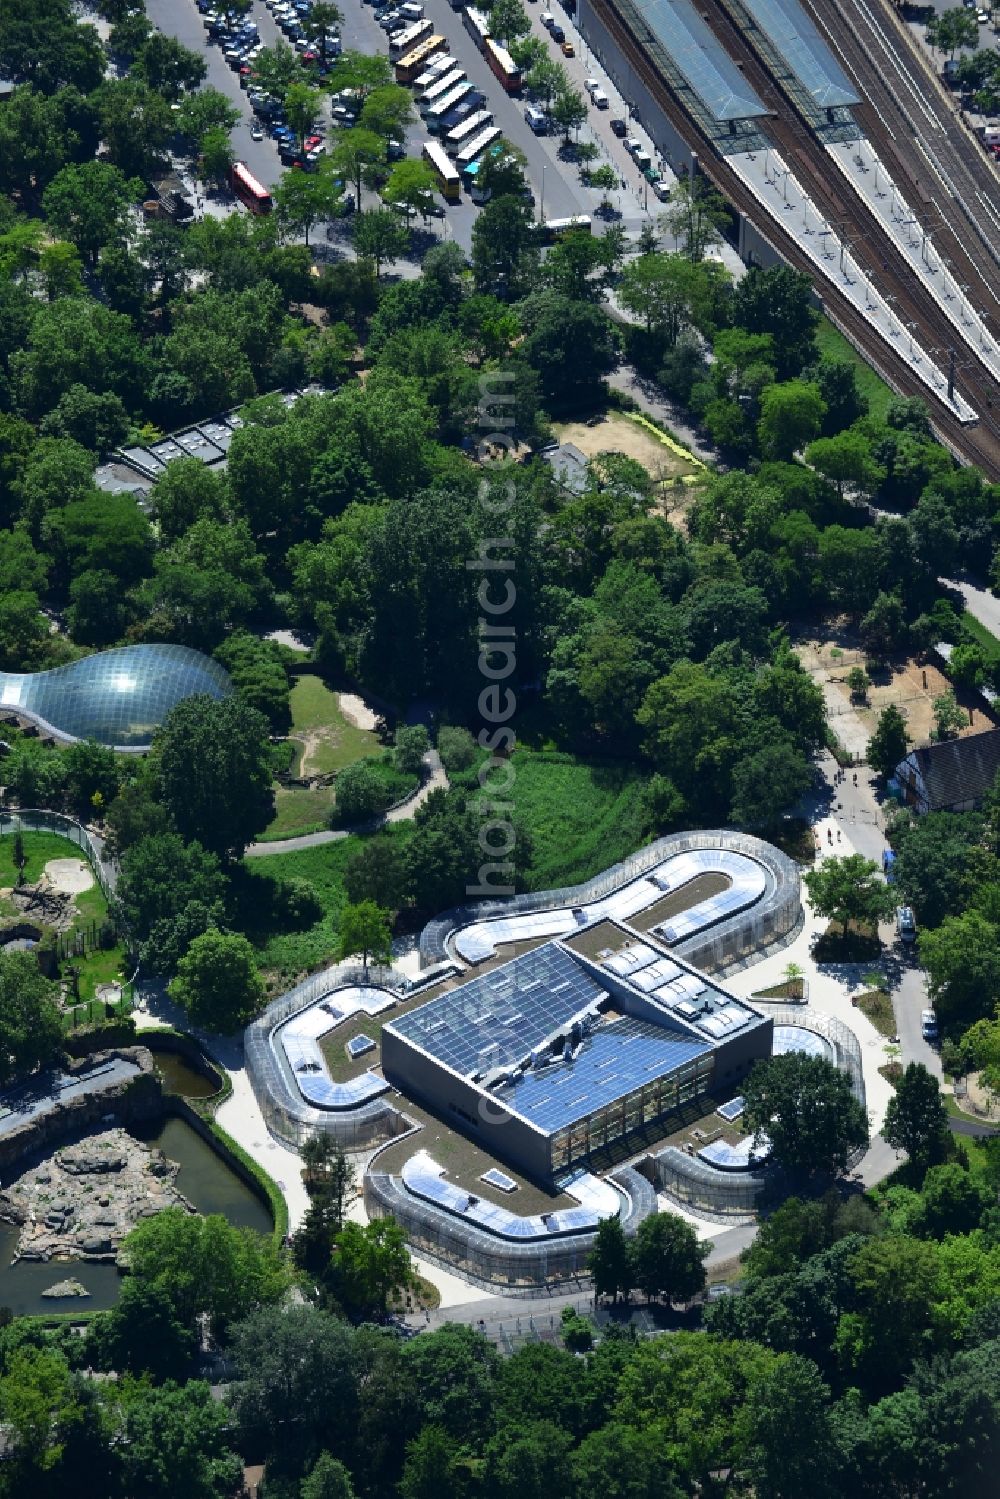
(180,1077)
(206,1182)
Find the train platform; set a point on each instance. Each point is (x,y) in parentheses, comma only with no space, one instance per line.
(870,178)
(782,197)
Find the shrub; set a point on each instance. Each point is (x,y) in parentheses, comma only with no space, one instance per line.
(456,747)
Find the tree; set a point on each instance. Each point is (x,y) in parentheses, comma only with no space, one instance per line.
(695,214)
(962,959)
(276,69)
(456,747)
(356,155)
(142,1334)
(96,421)
(572,345)
(360,792)
(767,783)
(888,745)
(411,744)
(214,771)
(858,683)
(174,1440)
(218,983)
(569,110)
(504,249)
(30,1022)
(791,415)
(916,1119)
(845,459)
(502,171)
(303,199)
(949,718)
(849,890)
(778,302)
(370,1263)
(302,105)
(508,20)
(807,1110)
(377,872)
(668,1259)
(365,929)
(545,78)
(950,29)
(216,155)
(609,1261)
(322,19)
(136,125)
(380,235)
(411,182)
(360,72)
(88,204)
(386,112)
(786,1433)
(327,1478)
(169,68)
(295,1386)
(205,1266)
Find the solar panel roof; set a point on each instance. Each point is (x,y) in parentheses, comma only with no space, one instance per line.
(795,37)
(613,1060)
(423,1177)
(709,70)
(500,1016)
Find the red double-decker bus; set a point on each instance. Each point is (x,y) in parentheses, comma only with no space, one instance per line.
(249,191)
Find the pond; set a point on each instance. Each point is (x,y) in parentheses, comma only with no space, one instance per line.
(205,1180)
(180,1077)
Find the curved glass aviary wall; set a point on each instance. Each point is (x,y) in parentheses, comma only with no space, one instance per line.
(118,697)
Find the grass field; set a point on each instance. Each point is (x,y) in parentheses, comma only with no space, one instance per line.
(834,345)
(582,816)
(288,954)
(323,740)
(327,739)
(98,966)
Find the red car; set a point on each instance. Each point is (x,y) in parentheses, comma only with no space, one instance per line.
(312,141)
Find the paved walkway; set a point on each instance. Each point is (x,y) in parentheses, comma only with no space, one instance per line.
(436,778)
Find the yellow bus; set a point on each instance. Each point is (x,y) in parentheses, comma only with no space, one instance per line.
(412,65)
(446,173)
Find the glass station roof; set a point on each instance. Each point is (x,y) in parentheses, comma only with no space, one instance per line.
(708,69)
(118,697)
(795,37)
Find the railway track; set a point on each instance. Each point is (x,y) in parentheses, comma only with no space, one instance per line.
(979,444)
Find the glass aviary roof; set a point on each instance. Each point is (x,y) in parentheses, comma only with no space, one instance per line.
(118,697)
(709,70)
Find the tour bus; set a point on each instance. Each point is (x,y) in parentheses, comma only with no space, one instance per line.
(435,117)
(249,191)
(439,88)
(476,147)
(406,40)
(503,66)
(470,105)
(446,173)
(467,130)
(434,70)
(477,25)
(413,63)
(554,229)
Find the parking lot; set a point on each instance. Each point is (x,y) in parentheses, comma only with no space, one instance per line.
(558,190)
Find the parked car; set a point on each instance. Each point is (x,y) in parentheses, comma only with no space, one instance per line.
(600,98)
(928,1025)
(256,133)
(557,34)
(568,50)
(618,127)
(633,144)
(395,151)
(906,924)
(547,19)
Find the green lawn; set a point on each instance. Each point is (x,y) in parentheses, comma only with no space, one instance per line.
(98,966)
(582,816)
(316,712)
(322,741)
(289,954)
(834,345)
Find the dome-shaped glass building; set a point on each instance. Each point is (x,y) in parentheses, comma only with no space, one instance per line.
(118,697)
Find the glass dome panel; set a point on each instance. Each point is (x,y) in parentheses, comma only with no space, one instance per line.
(118,697)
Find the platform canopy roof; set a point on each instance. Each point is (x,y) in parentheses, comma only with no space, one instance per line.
(795,37)
(700,57)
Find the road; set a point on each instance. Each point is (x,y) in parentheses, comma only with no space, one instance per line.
(981,604)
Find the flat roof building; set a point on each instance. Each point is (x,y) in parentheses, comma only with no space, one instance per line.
(557,1054)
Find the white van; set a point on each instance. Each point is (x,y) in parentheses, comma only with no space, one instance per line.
(412,10)
(538,121)
(600,99)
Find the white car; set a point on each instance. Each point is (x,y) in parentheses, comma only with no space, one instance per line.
(592,85)
(547,19)
(983,17)
(632,144)
(600,99)
(256,133)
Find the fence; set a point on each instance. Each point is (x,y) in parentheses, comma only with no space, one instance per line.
(722,1195)
(488,1260)
(31,820)
(774,915)
(285,1111)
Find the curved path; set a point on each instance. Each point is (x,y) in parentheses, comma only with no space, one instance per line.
(436,777)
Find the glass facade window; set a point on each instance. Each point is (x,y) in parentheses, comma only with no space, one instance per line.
(118,697)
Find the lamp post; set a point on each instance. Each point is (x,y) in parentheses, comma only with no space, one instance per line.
(541,200)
